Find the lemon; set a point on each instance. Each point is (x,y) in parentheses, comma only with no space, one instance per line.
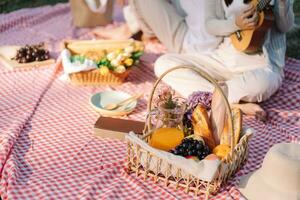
(166,138)
(221,150)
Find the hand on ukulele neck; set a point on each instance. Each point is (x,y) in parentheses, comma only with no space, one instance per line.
(247,19)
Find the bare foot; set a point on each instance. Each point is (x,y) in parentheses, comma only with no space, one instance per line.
(252,109)
(121,32)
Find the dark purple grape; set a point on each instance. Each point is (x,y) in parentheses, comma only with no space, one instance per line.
(194,152)
(181,151)
(199,146)
(28,57)
(206,149)
(23,60)
(46,57)
(184,145)
(41,51)
(22,50)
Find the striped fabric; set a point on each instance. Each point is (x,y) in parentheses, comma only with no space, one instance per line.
(275,43)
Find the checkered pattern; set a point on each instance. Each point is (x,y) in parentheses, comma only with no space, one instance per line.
(46,146)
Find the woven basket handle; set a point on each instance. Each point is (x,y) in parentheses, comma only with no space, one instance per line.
(148,125)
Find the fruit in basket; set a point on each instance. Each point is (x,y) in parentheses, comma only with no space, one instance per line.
(237,128)
(192,147)
(31,53)
(195,158)
(212,157)
(202,126)
(166,138)
(221,150)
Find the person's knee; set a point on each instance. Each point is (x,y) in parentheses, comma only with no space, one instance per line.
(264,86)
(162,64)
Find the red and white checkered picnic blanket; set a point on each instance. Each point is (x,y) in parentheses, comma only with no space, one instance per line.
(46,146)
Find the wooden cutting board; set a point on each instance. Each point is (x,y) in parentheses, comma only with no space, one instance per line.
(8,52)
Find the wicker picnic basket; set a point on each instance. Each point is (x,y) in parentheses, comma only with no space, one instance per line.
(189,183)
(94,77)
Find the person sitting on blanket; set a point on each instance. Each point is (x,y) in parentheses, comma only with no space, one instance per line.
(132,28)
(248,78)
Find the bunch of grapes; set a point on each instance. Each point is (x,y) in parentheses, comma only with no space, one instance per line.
(192,147)
(31,53)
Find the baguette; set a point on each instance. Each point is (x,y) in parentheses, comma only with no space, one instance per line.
(202,126)
(237,128)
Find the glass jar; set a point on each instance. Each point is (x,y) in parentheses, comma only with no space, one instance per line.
(167,125)
(170,117)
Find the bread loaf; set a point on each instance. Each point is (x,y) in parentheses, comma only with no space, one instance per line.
(237,127)
(202,126)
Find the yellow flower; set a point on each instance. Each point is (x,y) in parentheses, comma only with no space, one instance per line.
(111,56)
(120,69)
(104,70)
(119,51)
(126,55)
(129,49)
(128,62)
(115,62)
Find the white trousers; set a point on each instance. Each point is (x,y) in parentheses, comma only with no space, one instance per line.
(247,79)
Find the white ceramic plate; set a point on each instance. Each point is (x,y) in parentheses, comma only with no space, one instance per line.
(101,99)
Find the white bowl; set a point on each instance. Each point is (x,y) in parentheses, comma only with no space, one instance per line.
(99,100)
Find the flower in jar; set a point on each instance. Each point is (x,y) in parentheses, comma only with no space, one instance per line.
(164,94)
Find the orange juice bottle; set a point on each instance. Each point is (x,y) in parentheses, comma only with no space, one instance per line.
(166,138)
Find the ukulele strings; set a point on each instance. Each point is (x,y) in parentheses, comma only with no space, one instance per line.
(262,4)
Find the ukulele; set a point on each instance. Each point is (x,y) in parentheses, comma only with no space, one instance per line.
(250,41)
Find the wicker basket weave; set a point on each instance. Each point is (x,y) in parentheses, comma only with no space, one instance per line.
(94,77)
(227,168)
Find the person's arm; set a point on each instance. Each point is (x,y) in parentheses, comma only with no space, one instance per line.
(284,15)
(216,25)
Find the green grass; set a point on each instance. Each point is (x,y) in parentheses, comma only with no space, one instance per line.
(293,37)
(11,5)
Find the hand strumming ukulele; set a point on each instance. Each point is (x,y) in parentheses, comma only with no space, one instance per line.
(250,41)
